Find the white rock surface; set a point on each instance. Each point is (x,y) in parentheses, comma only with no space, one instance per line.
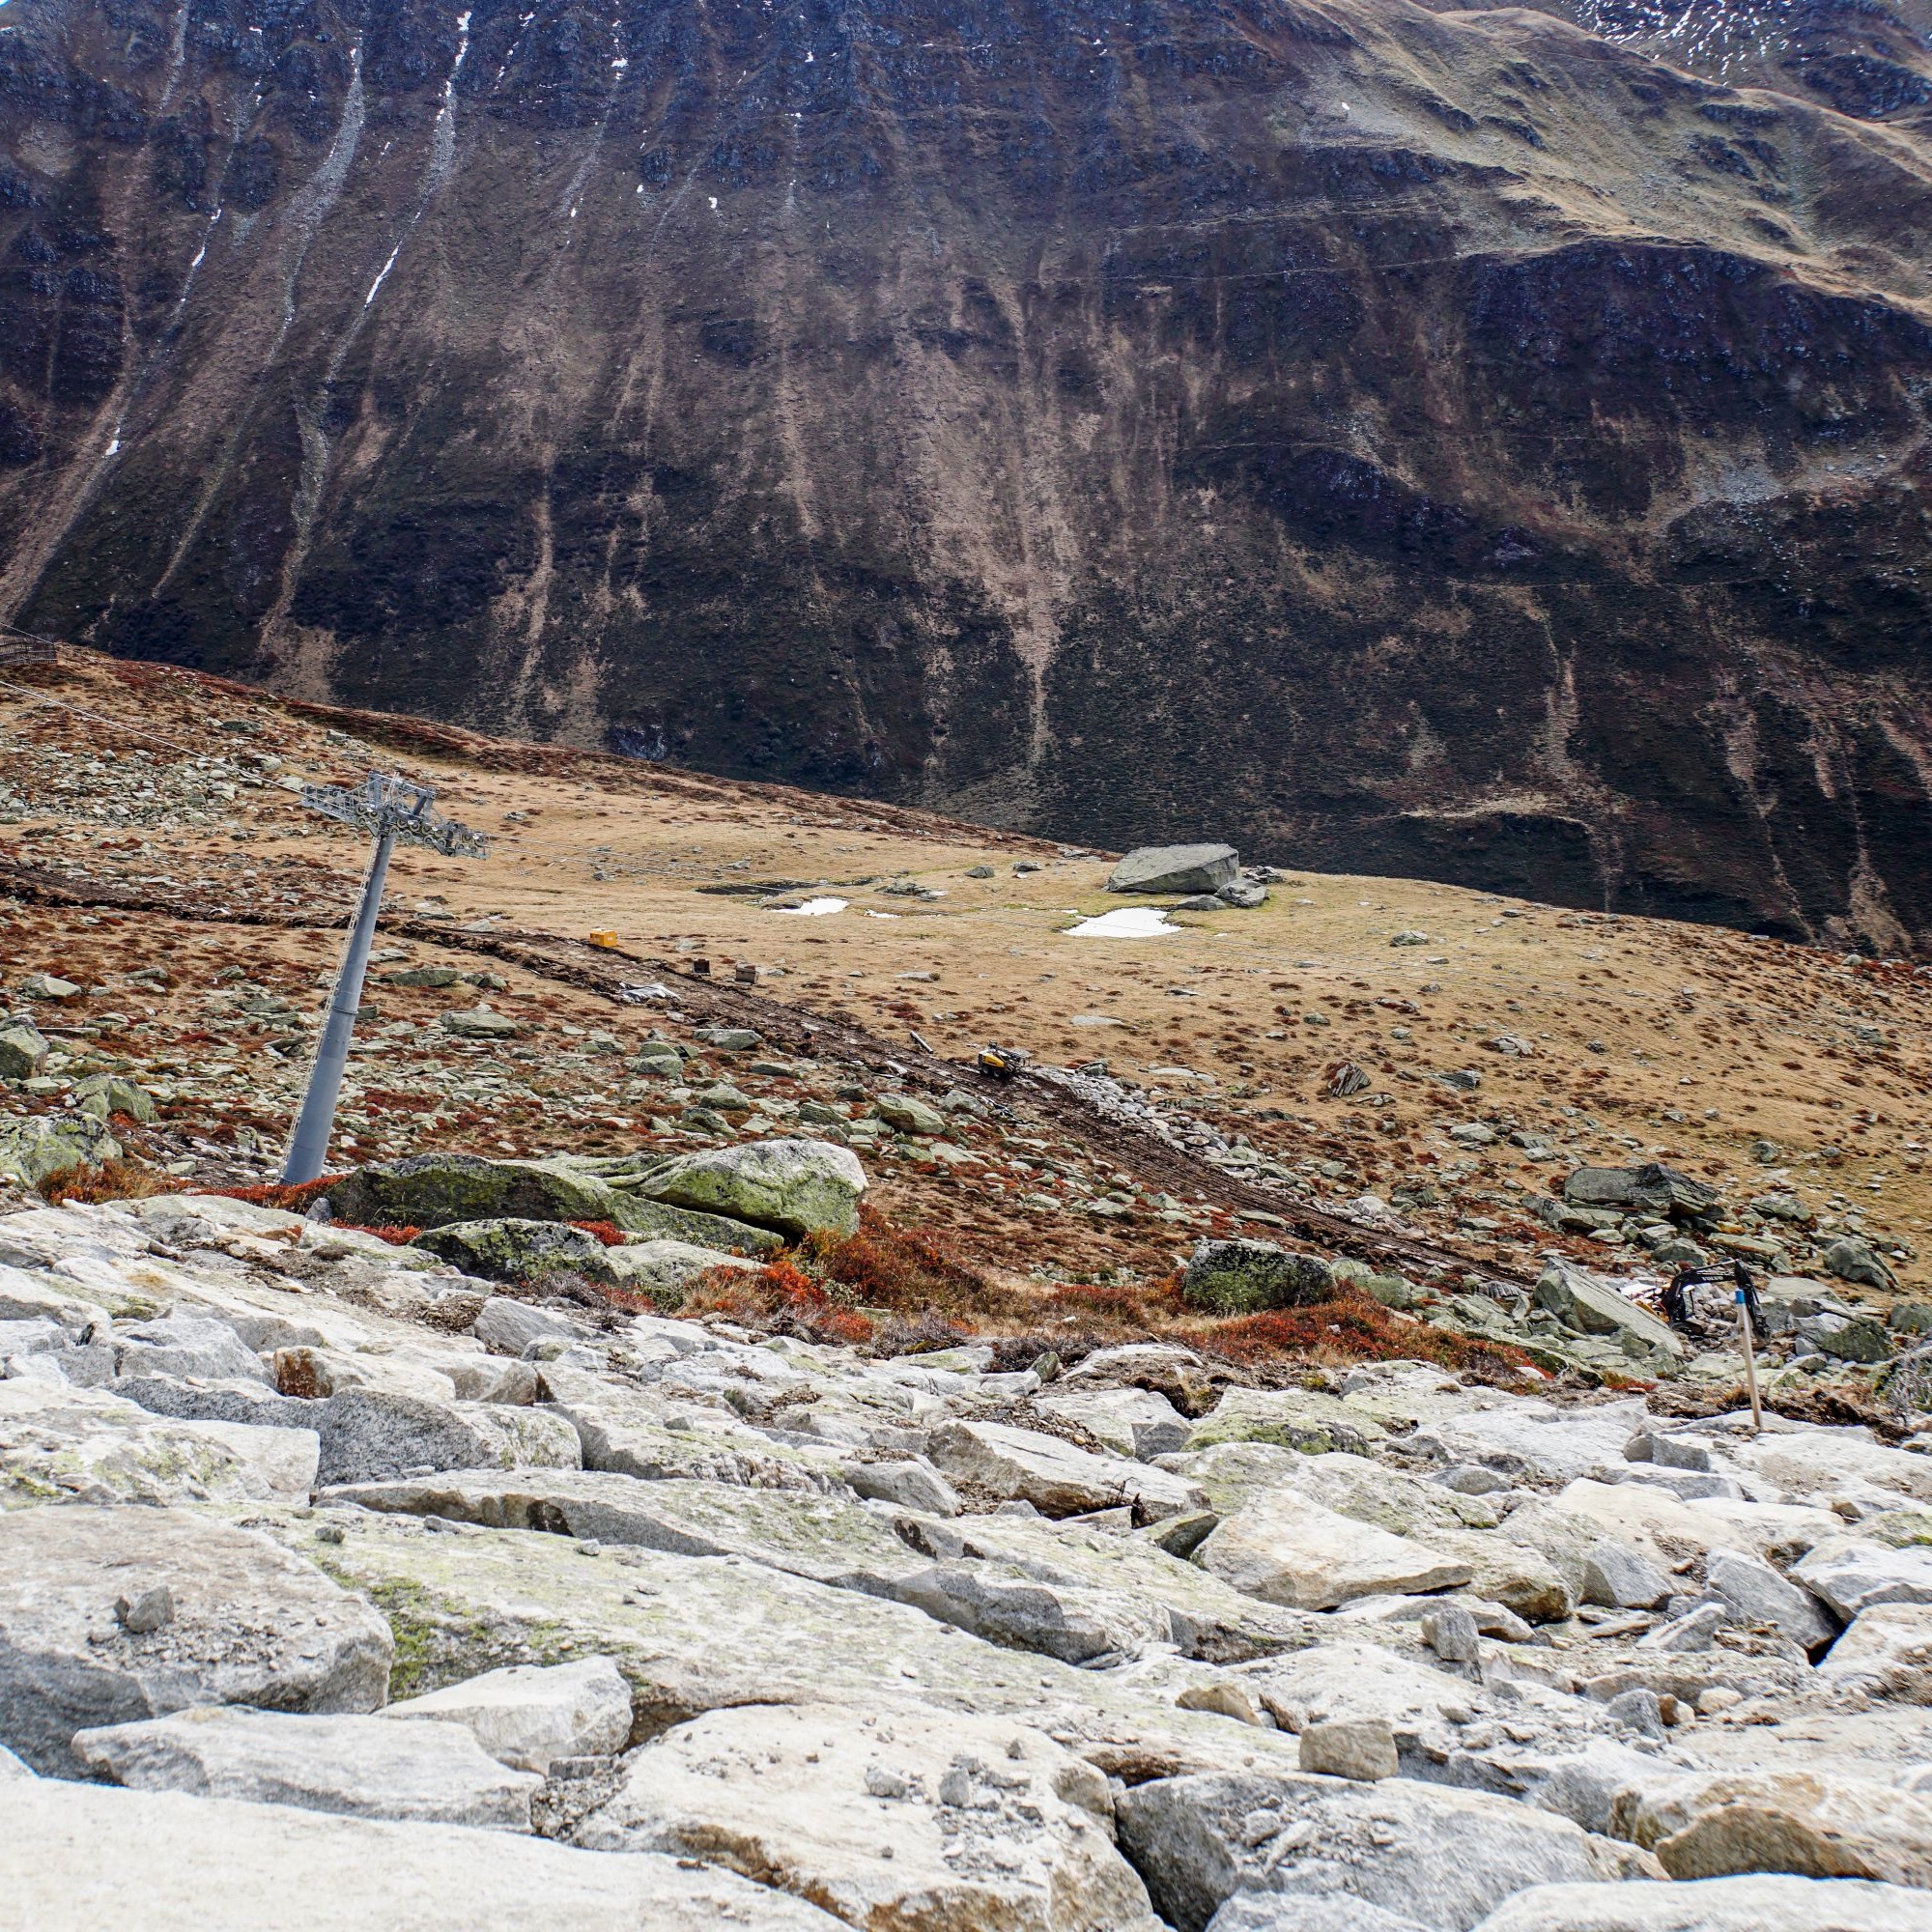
(529,1717)
(1287,1550)
(251,1624)
(990,1823)
(1758,1904)
(1886,1653)
(1852,1574)
(77,1857)
(359,1766)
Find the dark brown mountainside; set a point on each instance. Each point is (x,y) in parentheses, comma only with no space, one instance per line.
(1456,442)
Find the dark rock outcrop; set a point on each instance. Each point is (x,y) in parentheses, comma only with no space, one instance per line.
(1412,440)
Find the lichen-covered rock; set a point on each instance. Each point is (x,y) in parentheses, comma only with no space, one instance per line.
(796,1187)
(831,1540)
(664,1269)
(61,1444)
(1242,1277)
(433,1190)
(43,1145)
(512,1249)
(104,1094)
(23,1050)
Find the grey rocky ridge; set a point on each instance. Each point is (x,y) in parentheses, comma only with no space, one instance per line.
(560,1598)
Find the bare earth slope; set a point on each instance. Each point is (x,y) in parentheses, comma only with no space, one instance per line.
(148,820)
(1419,442)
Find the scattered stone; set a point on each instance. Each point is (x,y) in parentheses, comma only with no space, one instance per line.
(145,1611)
(1362,1748)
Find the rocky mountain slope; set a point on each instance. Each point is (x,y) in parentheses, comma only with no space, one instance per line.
(705,1457)
(1481,445)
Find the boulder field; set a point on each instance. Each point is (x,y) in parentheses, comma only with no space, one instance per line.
(332,1571)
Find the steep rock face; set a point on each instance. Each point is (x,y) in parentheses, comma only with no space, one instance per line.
(1442,441)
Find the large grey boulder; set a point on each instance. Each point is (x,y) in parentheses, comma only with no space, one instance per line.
(1759,1595)
(371,1436)
(528,1716)
(1005,1606)
(990,1823)
(1175,868)
(23,1050)
(1443,1858)
(1852,1574)
(1755,1903)
(1887,1653)
(251,1624)
(361,1767)
(1131,1421)
(794,1187)
(1651,1189)
(1582,1301)
(1287,1550)
(1818,1823)
(81,1857)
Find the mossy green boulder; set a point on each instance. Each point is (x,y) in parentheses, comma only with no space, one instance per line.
(1238,1277)
(796,1187)
(42,1147)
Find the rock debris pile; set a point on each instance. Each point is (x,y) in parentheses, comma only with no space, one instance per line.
(333,1565)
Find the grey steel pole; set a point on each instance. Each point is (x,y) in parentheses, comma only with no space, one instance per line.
(308,1146)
